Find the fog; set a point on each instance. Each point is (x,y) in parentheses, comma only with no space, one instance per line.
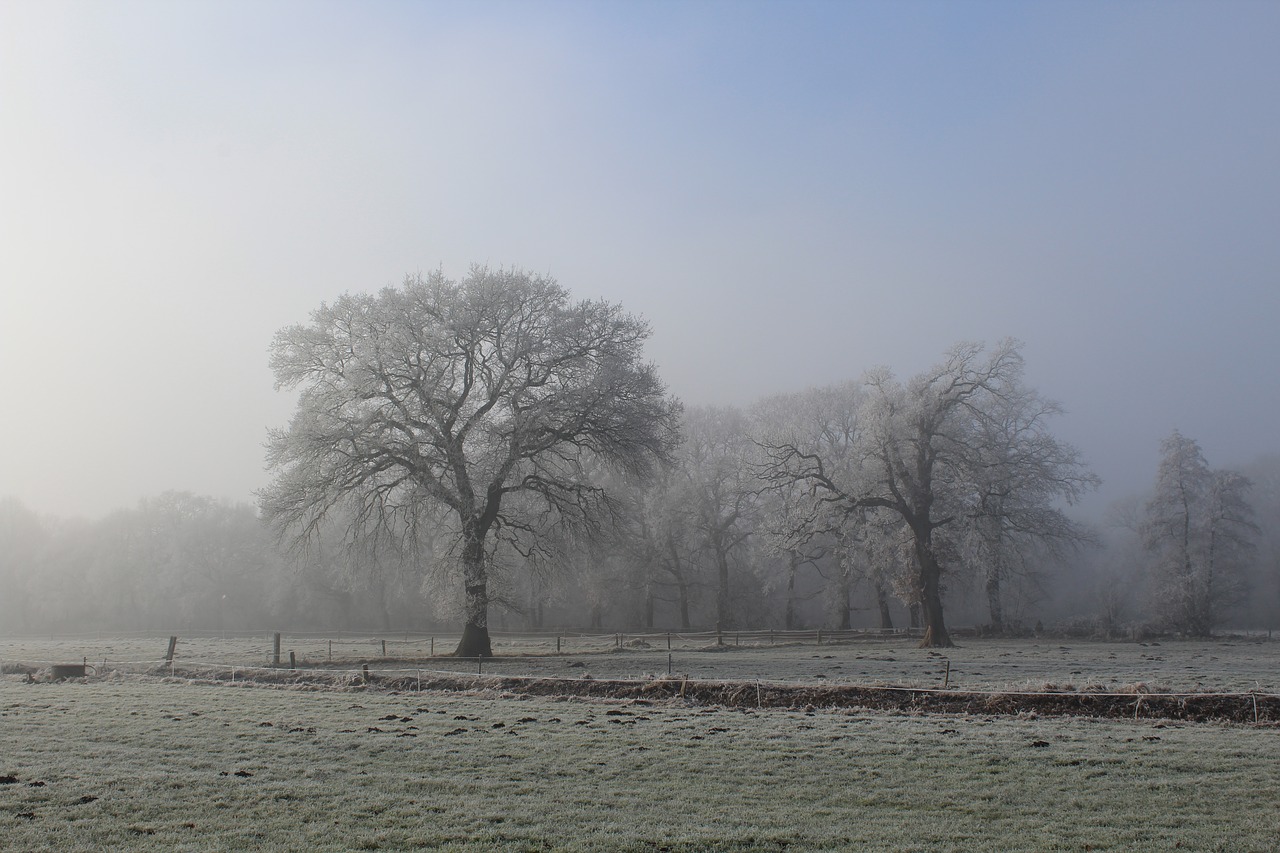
(789,193)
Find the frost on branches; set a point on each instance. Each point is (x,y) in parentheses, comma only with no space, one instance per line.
(958,460)
(1198,533)
(477,404)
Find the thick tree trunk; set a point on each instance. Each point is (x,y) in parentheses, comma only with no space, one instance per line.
(913,613)
(935,629)
(475,642)
(475,630)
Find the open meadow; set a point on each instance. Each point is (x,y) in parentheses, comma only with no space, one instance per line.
(124,760)
(1231,663)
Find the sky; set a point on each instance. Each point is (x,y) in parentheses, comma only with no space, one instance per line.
(790,193)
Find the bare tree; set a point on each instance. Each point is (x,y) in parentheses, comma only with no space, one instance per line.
(482,397)
(823,422)
(1198,531)
(720,492)
(1021,476)
(919,454)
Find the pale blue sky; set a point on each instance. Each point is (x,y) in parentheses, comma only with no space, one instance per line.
(790,192)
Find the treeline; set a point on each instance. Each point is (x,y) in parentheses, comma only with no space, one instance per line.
(708,542)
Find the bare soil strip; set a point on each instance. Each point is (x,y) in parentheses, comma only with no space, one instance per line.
(1252,708)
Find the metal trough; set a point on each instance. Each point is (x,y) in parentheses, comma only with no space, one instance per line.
(60,671)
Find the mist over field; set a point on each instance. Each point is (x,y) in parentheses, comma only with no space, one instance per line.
(790,199)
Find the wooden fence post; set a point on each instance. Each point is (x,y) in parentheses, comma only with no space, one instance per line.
(293,664)
(275,649)
(173,645)
(384,648)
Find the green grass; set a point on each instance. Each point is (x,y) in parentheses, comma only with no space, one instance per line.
(479,772)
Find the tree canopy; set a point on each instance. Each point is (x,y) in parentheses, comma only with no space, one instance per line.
(962,447)
(473,403)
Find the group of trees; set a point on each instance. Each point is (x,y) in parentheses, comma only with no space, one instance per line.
(513,421)
(493,447)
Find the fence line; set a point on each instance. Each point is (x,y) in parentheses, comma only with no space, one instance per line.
(366,670)
(765,682)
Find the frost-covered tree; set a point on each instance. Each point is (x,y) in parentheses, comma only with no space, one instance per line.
(923,452)
(1022,476)
(1198,533)
(796,521)
(720,493)
(475,400)
(660,543)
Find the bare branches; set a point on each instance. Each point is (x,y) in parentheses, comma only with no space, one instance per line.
(459,395)
(962,446)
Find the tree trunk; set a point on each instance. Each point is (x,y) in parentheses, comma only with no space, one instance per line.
(994,605)
(882,600)
(724,618)
(682,586)
(475,631)
(845,610)
(790,618)
(935,629)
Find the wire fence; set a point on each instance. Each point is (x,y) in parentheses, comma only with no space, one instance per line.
(884,668)
(324,648)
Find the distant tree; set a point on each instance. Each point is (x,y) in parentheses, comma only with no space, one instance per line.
(473,401)
(921,453)
(1022,474)
(720,493)
(1198,533)
(659,542)
(1264,578)
(795,522)
(24,541)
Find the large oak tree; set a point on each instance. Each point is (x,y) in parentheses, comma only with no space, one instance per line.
(473,403)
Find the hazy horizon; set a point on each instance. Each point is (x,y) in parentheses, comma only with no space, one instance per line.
(789,193)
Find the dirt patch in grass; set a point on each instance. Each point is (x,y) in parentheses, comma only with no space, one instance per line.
(1135,703)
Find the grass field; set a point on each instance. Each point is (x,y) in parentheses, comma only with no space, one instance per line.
(130,762)
(1229,664)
